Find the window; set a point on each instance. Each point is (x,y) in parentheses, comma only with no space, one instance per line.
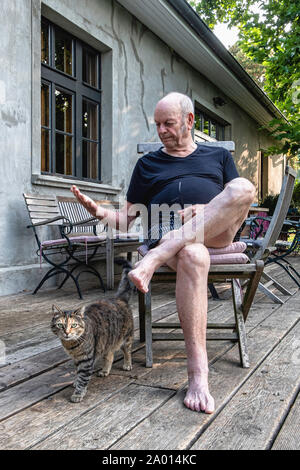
(70,105)
(209,125)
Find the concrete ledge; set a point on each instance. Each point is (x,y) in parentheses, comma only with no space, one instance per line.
(16,279)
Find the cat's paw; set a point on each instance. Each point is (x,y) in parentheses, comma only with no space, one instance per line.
(78,396)
(127,367)
(75,398)
(103,373)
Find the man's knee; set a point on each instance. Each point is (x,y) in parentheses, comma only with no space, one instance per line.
(194,256)
(242,191)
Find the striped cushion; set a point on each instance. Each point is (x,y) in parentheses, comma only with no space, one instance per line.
(231,254)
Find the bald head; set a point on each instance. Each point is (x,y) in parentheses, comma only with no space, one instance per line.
(178,100)
(174,119)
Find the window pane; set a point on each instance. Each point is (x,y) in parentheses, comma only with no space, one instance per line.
(63,111)
(89,160)
(63,161)
(63,52)
(89,67)
(89,120)
(45,105)
(45,43)
(198,123)
(213,130)
(45,150)
(206,126)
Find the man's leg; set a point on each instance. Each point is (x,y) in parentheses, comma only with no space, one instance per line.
(192,265)
(220,220)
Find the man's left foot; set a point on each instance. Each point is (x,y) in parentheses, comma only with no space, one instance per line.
(141,277)
(198,397)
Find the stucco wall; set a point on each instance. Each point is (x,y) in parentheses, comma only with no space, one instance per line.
(137,70)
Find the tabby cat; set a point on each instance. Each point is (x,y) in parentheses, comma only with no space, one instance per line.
(96,330)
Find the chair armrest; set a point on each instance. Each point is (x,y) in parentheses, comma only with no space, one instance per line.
(86,221)
(49,221)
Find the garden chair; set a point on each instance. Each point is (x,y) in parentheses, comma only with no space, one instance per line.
(76,244)
(282,249)
(115,242)
(232,273)
(73,245)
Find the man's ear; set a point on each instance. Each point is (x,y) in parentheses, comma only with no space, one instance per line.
(190,119)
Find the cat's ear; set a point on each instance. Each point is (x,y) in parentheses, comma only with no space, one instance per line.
(80,311)
(56,309)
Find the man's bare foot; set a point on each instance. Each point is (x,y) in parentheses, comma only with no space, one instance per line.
(198,397)
(142,273)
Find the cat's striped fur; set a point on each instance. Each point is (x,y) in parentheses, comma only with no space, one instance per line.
(96,330)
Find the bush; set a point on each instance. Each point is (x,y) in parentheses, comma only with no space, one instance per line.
(270,203)
(296,195)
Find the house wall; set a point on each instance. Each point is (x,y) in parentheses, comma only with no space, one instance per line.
(137,70)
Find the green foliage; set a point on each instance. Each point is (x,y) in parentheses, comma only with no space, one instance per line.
(272,41)
(270,203)
(256,71)
(296,195)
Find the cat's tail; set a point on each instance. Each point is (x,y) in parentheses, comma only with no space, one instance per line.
(126,286)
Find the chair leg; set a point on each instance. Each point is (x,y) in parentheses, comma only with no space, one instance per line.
(142,304)
(276,284)
(145,316)
(240,324)
(109,262)
(270,294)
(148,329)
(213,291)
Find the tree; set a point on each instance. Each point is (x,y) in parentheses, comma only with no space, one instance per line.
(256,71)
(272,40)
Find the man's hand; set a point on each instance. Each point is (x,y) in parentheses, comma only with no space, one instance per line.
(89,204)
(189,212)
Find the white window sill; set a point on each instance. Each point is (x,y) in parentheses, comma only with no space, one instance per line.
(66,183)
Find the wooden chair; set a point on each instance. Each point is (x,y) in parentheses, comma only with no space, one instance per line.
(115,242)
(220,273)
(77,243)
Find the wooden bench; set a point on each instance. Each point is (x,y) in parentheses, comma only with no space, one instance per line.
(79,241)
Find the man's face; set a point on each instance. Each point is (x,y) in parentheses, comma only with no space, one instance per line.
(172,127)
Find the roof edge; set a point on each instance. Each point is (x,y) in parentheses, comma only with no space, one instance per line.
(206,34)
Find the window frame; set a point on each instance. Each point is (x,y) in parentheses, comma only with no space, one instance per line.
(72,84)
(220,127)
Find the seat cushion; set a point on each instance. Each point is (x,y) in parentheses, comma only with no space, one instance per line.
(231,254)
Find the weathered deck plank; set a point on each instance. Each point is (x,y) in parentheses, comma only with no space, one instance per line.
(103,425)
(226,377)
(288,437)
(37,402)
(254,415)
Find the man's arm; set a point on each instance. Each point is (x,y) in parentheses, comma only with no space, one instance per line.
(115,219)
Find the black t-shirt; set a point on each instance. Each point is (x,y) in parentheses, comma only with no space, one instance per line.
(159,178)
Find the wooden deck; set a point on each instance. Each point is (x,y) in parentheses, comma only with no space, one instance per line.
(256,408)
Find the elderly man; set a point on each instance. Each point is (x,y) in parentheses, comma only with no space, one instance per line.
(214,202)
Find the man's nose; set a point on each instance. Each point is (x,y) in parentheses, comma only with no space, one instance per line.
(162,129)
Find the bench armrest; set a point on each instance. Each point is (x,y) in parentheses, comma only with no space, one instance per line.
(49,221)
(86,221)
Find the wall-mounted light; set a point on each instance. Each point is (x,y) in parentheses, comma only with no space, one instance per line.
(218,101)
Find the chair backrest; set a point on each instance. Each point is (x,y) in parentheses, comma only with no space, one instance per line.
(71,209)
(280,212)
(146,147)
(41,208)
